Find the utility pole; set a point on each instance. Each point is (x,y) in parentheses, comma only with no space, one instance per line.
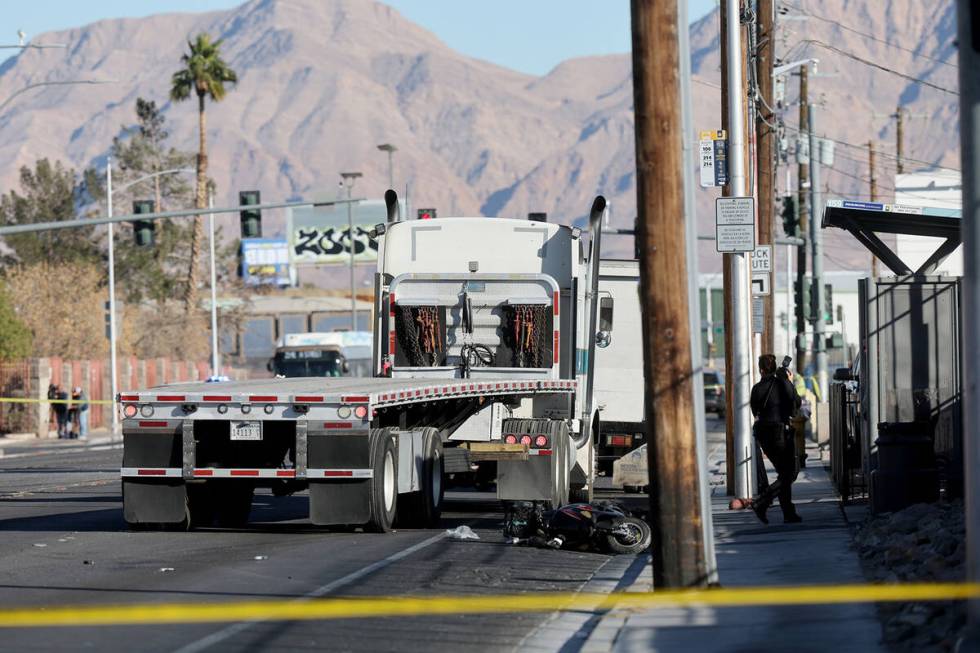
(899,137)
(816,251)
(348,180)
(726,279)
(873,196)
(737,327)
(678,558)
(803,186)
(968,37)
(765,150)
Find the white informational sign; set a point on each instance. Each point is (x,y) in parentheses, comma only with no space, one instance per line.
(760,284)
(735,224)
(762,259)
(706,155)
(758,316)
(713,158)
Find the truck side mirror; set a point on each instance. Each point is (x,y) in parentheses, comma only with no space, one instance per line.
(602,339)
(345,367)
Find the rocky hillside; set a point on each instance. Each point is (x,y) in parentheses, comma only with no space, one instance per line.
(322,82)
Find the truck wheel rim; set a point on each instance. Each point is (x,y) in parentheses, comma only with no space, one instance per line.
(389,482)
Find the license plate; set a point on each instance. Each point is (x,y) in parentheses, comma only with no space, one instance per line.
(246,430)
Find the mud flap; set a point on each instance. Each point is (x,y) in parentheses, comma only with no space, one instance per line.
(339,502)
(158,501)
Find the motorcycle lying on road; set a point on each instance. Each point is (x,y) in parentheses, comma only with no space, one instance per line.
(602,526)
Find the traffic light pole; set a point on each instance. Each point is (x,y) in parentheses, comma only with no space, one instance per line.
(817,293)
(215,359)
(113,375)
(802,187)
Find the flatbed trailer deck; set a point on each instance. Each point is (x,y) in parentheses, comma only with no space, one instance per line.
(320,433)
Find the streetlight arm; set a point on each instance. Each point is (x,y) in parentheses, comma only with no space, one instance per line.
(155,174)
(785,68)
(64,83)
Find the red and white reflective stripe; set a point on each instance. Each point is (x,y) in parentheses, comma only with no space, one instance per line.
(213,472)
(151,472)
(539,452)
(557,295)
(557,340)
(339,473)
(129,397)
(171,398)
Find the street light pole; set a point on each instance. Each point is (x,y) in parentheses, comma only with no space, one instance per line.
(215,362)
(349,179)
(114,379)
(390,149)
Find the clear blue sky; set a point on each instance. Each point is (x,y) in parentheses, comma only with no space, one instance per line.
(527,35)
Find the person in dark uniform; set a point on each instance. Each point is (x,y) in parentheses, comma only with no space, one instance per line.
(773,402)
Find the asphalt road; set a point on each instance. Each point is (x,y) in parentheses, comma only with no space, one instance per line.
(64,542)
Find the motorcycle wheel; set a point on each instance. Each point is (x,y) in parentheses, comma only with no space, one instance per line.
(630,535)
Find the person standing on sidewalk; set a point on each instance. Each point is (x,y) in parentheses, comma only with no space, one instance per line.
(773,402)
(80,404)
(60,407)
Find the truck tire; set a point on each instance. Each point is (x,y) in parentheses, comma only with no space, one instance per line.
(422,509)
(233,502)
(384,485)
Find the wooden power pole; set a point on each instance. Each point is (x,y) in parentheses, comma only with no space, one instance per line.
(899,138)
(678,547)
(765,131)
(873,196)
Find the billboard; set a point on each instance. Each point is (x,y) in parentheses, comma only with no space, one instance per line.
(319,234)
(265,261)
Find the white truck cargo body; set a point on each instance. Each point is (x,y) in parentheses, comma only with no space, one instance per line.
(619,364)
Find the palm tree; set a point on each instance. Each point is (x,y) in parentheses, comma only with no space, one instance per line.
(204,73)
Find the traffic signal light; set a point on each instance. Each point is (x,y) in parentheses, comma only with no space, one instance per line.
(828,303)
(427,214)
(143,230)
(791,223)
(803,298)
(251,218)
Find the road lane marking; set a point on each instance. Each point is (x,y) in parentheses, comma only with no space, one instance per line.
(244,624)
(311,608)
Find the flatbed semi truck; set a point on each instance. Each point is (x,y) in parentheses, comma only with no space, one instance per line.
(484,341)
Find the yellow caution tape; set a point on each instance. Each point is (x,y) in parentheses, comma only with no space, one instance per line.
(26,400)
(359,608)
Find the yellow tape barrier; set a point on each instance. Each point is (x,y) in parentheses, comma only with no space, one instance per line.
(359,608)
(24,400)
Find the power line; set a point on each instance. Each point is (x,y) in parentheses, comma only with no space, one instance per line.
(863,148)
(867,36)
(875,64)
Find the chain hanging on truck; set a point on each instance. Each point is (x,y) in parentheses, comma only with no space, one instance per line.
(420,335)
(528,336)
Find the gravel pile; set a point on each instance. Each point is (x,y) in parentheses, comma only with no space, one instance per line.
(924,542)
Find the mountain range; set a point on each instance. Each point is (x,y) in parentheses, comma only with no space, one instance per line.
(323,82)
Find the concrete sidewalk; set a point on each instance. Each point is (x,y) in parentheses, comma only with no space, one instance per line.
(818,551)
(22,446)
